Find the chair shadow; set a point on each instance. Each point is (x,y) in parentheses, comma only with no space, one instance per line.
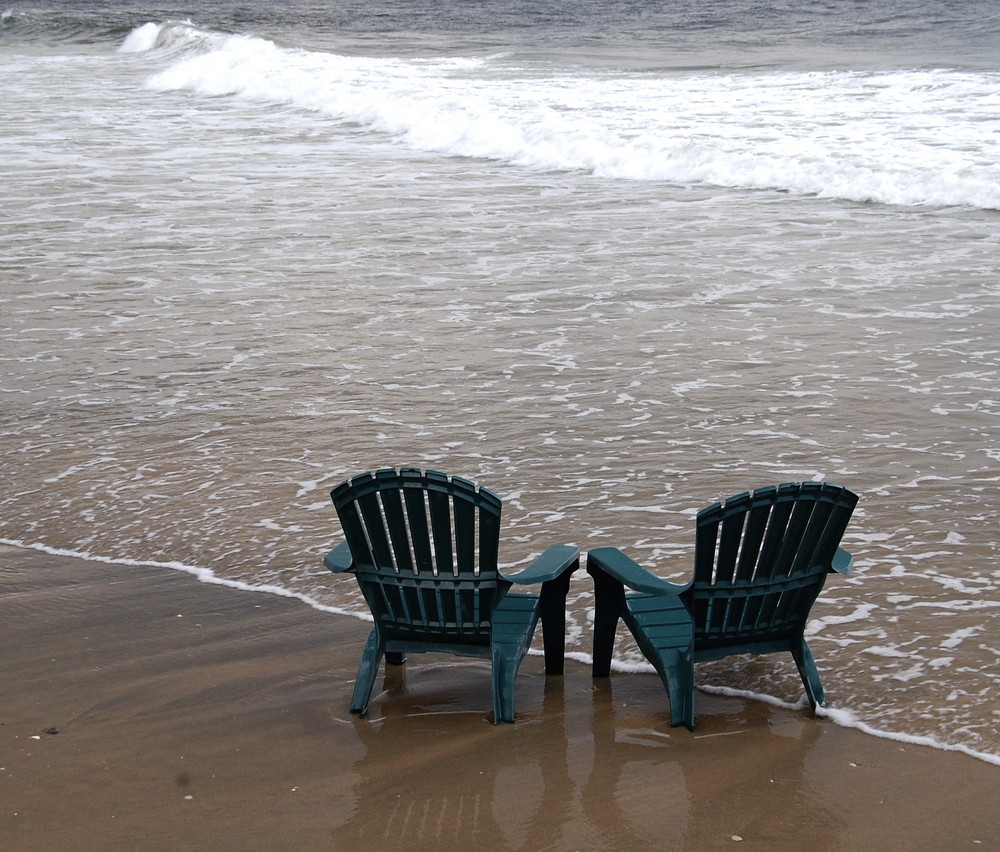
(699,790)
(437,774)
(593,765)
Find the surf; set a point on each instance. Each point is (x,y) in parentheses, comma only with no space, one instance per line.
(912,138)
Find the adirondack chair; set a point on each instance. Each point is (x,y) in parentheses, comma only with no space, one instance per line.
(423,547)
(761,559)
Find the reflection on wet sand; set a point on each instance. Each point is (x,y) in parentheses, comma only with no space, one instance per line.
(575,774)
(450,786)
(192,716)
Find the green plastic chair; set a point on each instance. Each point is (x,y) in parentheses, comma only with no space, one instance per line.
(423,547)
(761,559)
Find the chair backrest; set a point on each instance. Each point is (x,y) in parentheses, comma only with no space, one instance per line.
(425,548)
(761,559)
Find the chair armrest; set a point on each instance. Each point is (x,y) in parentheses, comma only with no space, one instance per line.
(339,559)
(842,561)
(550,565)
(554,570)
(616,564)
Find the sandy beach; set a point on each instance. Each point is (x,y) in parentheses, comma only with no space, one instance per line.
(145,709)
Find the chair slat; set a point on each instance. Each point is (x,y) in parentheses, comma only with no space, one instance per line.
(755,616)
(813,537)
(465,518)
(420,613)
(378,537)
(439,503)
(706,538)
(472,600)
(777,523)
(395,522)
(793,538)
(766,606)
(354,531)
(420,537)
(728,548)
(489,531)
(753,537)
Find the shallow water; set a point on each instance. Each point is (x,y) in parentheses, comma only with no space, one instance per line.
(217,304)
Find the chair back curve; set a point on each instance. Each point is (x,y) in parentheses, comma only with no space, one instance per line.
(425,547)
(761,559)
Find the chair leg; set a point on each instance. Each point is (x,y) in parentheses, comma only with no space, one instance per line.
(553,614)
(609,602)
(808,672)
(507,659)
(367,672)
(678,677)
(514,622)
(675,666)
(664,631)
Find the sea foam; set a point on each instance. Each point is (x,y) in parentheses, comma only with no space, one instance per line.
(902,137)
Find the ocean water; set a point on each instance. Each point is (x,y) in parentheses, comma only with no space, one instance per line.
(613,260)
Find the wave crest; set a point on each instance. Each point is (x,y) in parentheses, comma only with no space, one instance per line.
(906,137)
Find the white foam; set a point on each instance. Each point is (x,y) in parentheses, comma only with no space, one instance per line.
(173,37)
(959,636)
(900,137)
(847,719)
(886,651)
(141,39)
(204,575)
(862,612)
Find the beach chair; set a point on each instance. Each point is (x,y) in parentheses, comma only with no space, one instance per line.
(761,559)
(423,547)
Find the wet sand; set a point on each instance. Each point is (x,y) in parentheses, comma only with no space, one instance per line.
(195,716)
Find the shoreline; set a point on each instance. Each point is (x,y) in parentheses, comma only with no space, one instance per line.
(841,717)
(193,715)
